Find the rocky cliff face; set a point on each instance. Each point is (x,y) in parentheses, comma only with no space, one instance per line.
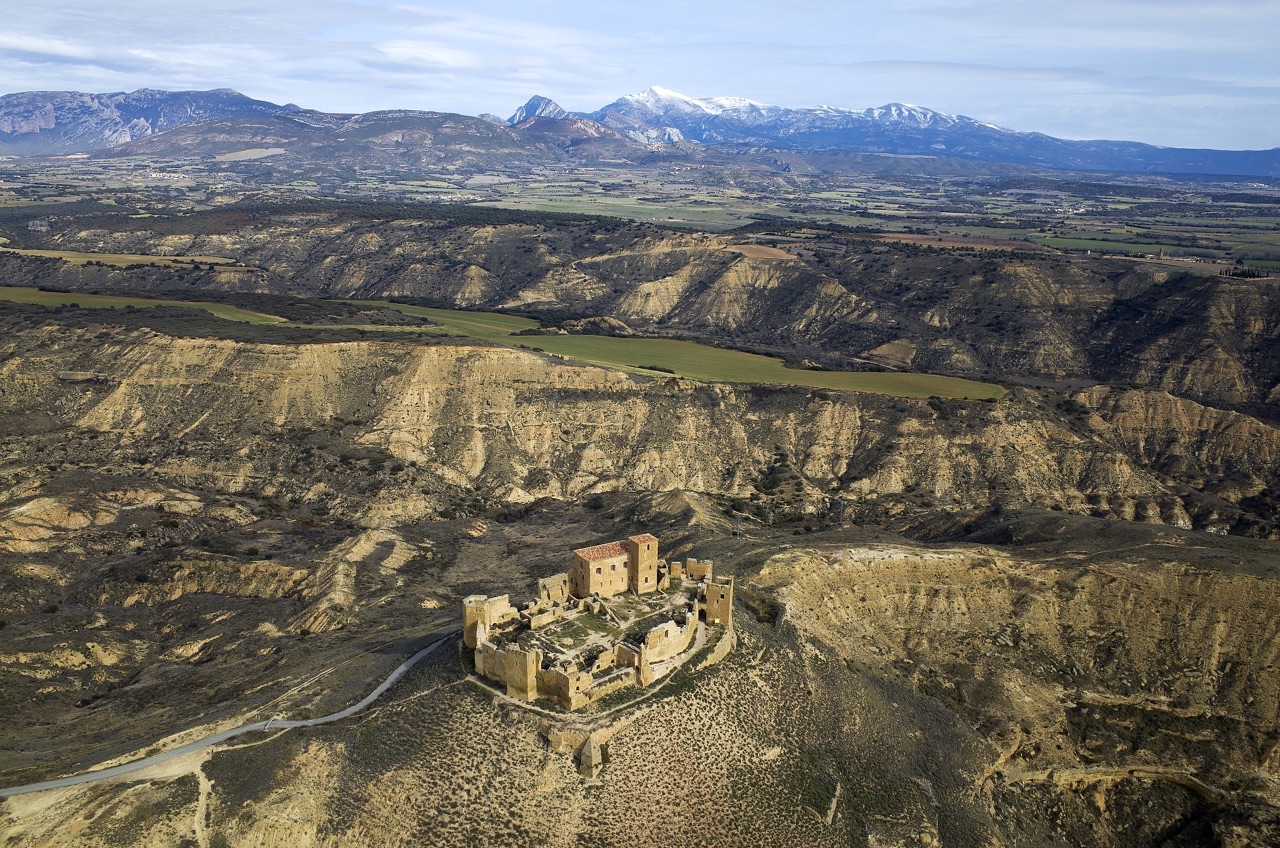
(1106,679)
(511,427)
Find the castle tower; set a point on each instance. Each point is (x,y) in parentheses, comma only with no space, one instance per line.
(480,614)
(522,673)
(474,628)
(642,563)
(718,605)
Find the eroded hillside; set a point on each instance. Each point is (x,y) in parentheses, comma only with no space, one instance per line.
(435,428)
(166,466)
(846,301)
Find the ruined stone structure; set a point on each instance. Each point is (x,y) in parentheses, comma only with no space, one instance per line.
(619,617)
(718,603)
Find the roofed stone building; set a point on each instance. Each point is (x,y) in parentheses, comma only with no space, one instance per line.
(615,567)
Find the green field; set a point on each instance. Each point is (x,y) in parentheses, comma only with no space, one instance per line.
(1103,246)
(713,217)
(18,294)
(718,365)
(490,326)
(80,257)
(686,359)
(692,360)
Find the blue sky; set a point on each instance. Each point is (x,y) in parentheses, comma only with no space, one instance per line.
(1191,74)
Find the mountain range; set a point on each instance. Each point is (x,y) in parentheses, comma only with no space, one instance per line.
(50,123)
(896,128)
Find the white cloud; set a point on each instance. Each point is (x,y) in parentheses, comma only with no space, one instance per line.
(430,54)
(43,45)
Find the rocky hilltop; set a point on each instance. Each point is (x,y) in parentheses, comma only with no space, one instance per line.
(881,701)
(537,107)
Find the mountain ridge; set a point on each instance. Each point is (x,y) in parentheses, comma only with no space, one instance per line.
(538,107)
(903,129)
(36,123)
(54,123)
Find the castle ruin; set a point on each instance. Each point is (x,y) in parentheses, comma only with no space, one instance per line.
(619,617)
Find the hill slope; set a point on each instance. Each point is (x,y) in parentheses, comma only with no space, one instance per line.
(274,526)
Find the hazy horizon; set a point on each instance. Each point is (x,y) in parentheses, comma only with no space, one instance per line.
(1173,73)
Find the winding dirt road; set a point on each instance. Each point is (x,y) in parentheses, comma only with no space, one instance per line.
(209,741)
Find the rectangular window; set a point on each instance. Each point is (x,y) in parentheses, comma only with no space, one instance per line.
(613,567)
(597,571)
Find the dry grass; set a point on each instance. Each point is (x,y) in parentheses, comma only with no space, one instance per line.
(760,251)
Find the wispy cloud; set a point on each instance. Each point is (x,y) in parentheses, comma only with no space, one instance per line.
(430,54)
(40,45)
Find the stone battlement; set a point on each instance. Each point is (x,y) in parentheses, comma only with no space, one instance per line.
(618,617)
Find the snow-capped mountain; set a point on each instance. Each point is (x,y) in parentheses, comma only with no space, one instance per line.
(663,102)
(656,100)
(40,123)
(718,120)
(659,114)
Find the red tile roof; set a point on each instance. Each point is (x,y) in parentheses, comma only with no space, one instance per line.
(644,537)
(606,551)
